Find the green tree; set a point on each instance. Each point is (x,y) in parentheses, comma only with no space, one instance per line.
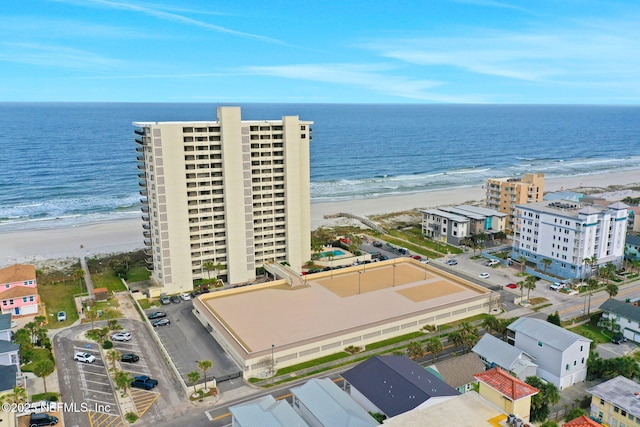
(549,423)
(521,285)
(434,346)
(17,395)
(456,339)
(42,335)
(123,380)
(113,325)
(546,262)
(469,335)
(193,378)
(78,274)
(113,356)
(204,366)
(209,265)
(530,284)
(573,414)
(540,402)
(554,318)
(501,235)
(415,350)
(523,263)
(490,323)
(42,369)
(592,285)
(40,321)
(607,272)
(91,314)
(612,290)
(102,334)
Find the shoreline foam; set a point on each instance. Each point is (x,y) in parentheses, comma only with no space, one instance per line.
(113,236)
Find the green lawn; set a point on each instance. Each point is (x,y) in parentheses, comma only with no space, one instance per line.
(598,335)
(38,355)
(314,362)
(59,297)
(107,279)
(138,274)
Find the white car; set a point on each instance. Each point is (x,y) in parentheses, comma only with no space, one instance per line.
(185,296)
(121,336)
(84,357)
(558,285)
(483,275)
(492,262)
(62,316)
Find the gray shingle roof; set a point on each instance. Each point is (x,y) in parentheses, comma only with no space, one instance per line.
(5,321)
(6,346)
(459,371)
(622,309)
(621,392)
(396,384)
(7,377)
(541,330)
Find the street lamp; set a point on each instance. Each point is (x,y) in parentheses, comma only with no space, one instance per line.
(273,365)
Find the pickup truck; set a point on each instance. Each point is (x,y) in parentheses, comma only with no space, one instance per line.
(144,382)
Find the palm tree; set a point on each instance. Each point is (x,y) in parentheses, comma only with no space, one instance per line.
(434,346)
(522,260)
(44,368)
(113,356)
(490,323)
(209,265)
(41,335)
(469,335)
(123,380)
(415,350)
(205,365)
(521,284)
(17,395)
(193,378)
(456,339)
(592,285)
(546,262)
(530,284)
(78,274)
(607,271)
(612,290)
(91,314)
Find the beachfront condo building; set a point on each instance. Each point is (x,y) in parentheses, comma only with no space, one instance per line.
(567,233)
(453,224)
(503,194)
(223,198)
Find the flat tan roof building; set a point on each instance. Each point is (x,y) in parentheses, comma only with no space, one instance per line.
(503,194)
(353,306)
(230,192)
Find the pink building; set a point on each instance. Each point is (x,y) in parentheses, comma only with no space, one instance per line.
(18,290)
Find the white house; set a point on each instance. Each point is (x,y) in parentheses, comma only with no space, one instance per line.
(495,352)
(561,355)
(626,318)
(265,411)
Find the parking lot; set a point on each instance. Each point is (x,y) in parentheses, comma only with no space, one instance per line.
(89,384)
(188,342)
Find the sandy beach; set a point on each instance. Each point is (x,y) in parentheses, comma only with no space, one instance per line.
(35,246)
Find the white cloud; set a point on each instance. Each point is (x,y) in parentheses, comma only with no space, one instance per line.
(56,56)
(371,77)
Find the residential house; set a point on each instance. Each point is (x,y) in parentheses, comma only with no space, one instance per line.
(321,403)
(621,317)
(507,392)
(503,194)
(561,355)
(582,421)
(467,410)
(392,385)
(6,333)
(632,247)
(616,402)
(9,352)
(265,411)
(495,352)
(459,371)
(633,219)
(445,227)
(8,382)
(567,233)
(481,220)
(18,290)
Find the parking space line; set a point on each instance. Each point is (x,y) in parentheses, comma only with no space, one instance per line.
(143,400)
(102,403)
(95,382)
(94,373)
(100,419)
(98,391)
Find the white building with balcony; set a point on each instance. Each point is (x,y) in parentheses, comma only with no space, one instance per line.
(229,192)
(567,233)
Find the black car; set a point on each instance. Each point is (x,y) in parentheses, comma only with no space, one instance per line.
(144,382)
(618,339)
(157,315)
(42,419)
(130,358)
(205,290)
(175,299)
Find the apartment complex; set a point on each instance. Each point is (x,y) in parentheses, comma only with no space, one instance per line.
(229,193)
(567,233)
(503,194)
(451,224)
(615,402)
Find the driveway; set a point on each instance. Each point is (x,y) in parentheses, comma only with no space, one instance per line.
(188,342)
(610,350)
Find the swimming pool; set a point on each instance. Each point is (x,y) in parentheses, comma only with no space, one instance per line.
(333,253)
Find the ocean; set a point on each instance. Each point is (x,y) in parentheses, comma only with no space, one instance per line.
(68,164)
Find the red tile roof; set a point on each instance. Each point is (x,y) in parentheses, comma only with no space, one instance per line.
(17,273)
(582,421)
(506,384)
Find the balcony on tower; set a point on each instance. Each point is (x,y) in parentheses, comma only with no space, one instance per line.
(145,218)
(140,149)
(146,226)
(146,234)
(142,183)
(144,193)
(140,158)
(140,167)
(148,252)
(141,132)
(142,175)
(145,209)
(148,242)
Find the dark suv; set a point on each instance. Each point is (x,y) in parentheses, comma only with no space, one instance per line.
(42,420)
(618,339)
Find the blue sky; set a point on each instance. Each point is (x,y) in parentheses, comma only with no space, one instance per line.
(372,51)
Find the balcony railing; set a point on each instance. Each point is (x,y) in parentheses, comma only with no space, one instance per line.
(140,132)
(148,242)
(145,218)
(142,183)
(144,209)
